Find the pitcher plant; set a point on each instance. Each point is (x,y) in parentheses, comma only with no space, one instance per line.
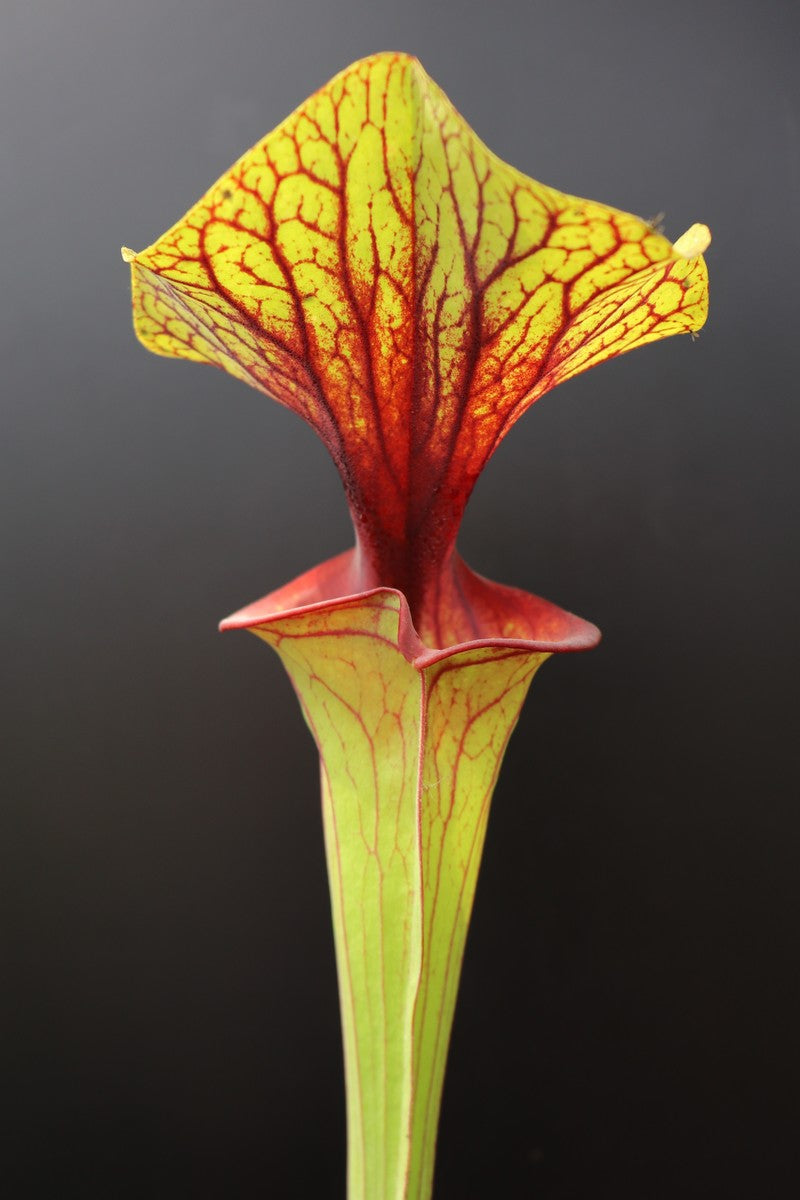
(372,266)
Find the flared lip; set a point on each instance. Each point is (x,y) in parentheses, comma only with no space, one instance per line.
(578,633)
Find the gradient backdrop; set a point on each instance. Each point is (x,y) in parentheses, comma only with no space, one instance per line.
(627,1026)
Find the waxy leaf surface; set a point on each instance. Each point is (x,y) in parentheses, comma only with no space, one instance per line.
(410,745)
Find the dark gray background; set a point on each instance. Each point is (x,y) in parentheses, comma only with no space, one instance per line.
(628,1019)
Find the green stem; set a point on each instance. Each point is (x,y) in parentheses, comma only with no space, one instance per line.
(410,751)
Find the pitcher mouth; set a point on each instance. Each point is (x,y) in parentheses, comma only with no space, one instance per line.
(500,616)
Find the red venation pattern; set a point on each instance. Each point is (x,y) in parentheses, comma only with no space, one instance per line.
(374,267)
